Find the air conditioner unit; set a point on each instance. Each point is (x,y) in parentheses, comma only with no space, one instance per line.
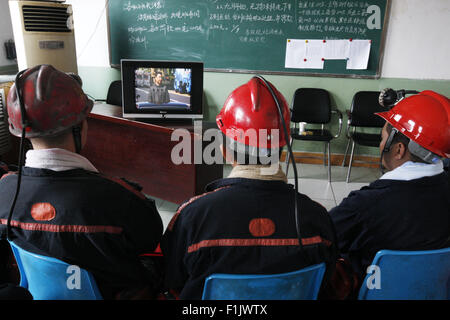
(5,139)
(43,33)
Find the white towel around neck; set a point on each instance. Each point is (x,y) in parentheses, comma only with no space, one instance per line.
(57,160)
(414,170)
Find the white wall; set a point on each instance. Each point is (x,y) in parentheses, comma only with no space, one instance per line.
(418,40)
(91,34)
(6,32)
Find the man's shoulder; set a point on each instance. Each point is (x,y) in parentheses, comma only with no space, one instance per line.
(197,204)
(309,204)
(93,182)
(366,197)
(123,184)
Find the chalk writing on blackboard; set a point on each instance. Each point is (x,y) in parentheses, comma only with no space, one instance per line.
(334,17)
(231,34)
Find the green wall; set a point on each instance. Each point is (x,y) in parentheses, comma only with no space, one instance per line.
(217,86)
(8,70)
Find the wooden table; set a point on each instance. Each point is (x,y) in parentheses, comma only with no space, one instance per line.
(141,152)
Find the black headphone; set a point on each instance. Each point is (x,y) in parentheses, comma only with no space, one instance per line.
(289,147)
(25,125)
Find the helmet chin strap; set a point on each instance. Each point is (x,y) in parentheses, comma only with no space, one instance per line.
(387,147)
(76,133)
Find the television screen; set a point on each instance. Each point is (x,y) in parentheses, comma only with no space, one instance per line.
(162,89)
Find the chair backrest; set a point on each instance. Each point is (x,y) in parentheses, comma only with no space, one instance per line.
(311,105)
(303,284)
(48,278)
(364,106)
(115,93)
(409,275)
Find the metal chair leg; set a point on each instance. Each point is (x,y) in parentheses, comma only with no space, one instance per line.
(325,154)
(345,154)
(288,158)
(329,162)
(350,162)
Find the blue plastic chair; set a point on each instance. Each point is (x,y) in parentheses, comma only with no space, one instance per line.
(409,275)
(303,284)
(47,278)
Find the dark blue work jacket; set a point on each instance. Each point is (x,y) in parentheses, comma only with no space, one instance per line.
(244,226)
(84,219)
(393,214)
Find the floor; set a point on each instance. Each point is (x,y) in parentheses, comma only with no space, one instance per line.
(313,182)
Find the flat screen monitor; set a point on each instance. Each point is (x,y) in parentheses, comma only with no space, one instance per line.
(162,89)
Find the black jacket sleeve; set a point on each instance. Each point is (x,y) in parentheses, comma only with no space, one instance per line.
(174,245)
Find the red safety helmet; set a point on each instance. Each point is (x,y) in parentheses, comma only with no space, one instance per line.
(252,107)
(53,100)
(423,118)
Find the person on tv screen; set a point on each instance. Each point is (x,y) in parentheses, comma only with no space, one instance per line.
(158,93)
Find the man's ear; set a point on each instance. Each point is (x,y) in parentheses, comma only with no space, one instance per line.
(400,151)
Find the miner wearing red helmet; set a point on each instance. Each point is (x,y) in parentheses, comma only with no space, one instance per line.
(245,224)
(64,207)
(408,207)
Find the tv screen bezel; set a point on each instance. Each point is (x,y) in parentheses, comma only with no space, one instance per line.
(129,110)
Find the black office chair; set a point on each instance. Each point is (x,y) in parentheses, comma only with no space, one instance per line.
(313,106)
(115,93)
(362,114)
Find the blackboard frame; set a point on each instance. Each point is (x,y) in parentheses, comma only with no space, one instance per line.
(377,74)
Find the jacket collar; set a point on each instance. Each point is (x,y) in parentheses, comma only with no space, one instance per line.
(38,172)
(424,181)
(251,183)
(414,170)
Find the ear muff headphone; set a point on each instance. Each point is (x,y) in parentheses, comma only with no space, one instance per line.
(289,147)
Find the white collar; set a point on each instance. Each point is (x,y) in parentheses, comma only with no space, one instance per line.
(259,172)
(57,160)
(414,170)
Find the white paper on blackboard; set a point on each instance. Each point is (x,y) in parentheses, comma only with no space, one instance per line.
(358,54)
(336,49)
(295,53)
(304,54)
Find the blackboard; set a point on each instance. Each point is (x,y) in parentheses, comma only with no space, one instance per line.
(243,36)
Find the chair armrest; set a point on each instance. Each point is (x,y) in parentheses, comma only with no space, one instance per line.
(339,113)
(349,121)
